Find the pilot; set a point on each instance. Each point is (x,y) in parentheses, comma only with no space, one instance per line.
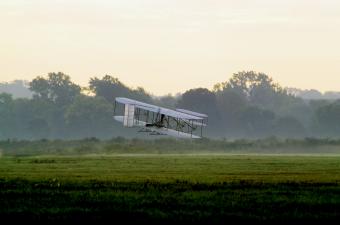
(157,123)
(162,118)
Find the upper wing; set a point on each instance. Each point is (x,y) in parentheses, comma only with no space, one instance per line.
(161,110)
(176,114)
(192,113)
(138,104)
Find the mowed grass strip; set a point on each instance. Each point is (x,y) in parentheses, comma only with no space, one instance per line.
(167,168)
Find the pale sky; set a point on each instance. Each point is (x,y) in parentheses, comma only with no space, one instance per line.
(169,46)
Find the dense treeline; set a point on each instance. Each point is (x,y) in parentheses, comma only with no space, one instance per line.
(248,105)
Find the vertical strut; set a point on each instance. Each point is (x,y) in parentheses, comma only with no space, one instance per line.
(147,116)
(114,109)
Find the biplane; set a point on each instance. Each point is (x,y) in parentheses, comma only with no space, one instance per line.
(157,120)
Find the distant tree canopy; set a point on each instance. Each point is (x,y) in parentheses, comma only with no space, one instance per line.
(248,105)
(110,88)
(328,119)
(249,84)
(57,88)
(89,116)
(193,99)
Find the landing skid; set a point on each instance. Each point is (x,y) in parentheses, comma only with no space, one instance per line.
(151,132)
(145,130)
(156,133)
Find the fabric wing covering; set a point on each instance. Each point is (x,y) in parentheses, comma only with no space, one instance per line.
(169,112)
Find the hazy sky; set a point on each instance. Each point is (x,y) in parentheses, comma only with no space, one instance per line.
(168,46)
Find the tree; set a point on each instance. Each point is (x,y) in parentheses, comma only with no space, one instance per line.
(140,94)
(57,88)
(328,119)
(248,95)
(256,122)
(203,101)
(7,120)
(52,95)
(230,103)
(110,88)
(62,90)
(289,127)
(249,82)
(89,117)
(107,87)
(38,128)
(40,87)
(257,88)
(200,100)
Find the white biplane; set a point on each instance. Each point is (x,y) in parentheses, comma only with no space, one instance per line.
(158,120)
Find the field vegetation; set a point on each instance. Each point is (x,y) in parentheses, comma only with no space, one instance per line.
(134,181)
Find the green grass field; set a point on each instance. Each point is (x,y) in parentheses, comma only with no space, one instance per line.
(164,188)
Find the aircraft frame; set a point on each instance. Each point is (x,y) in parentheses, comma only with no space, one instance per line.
(157,120)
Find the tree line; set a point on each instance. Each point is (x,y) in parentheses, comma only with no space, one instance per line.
(248,105)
